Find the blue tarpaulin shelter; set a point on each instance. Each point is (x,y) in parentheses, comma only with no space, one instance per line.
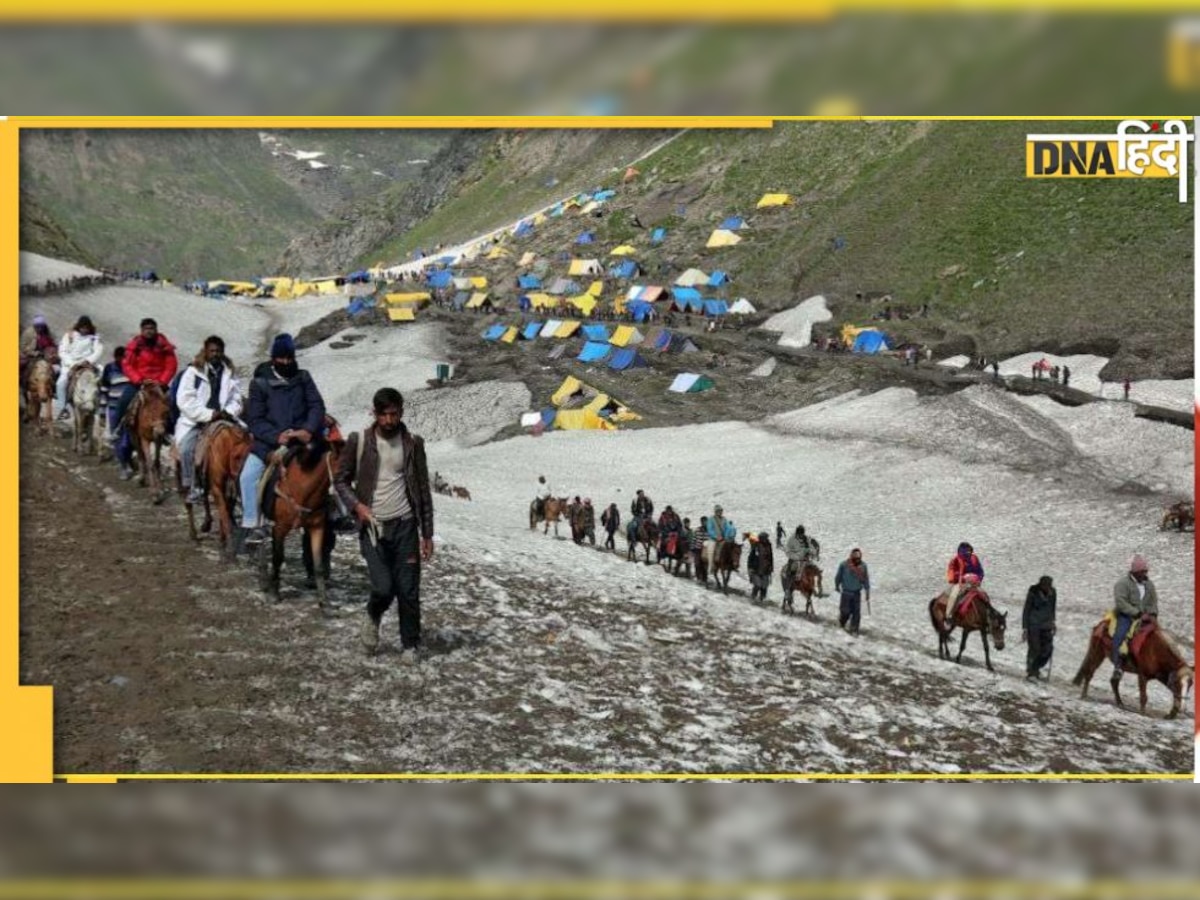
(594,351)
(685,293)
(640,310)
(523,229)
(586,238)
(528,282)
(531,330)
(626,269)
(871,341)
(441,279)
(495,332)
(718,278)
(658,235)
(715,307)
(626,358)
(595,332)
(733,223)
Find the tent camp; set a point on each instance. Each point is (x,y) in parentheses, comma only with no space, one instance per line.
(585,303)
(742,307)
(626,336)
(626,269)
(645,294)
(718,278)
(871,341)
(416,300)
(523,228)
(479,300)
(567,328)
(769,200)
(594,351)
(690,383)
(627,358)
(685,293)
(715,307)
(596,332)
(585,267)
(440,279)
(509,335)
(596,288)
(563,286)
(402,314)
(528,282)
(640,311)
(722,238)
(542,301)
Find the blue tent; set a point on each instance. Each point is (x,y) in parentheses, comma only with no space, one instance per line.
(447,260)
(594,351)
(718,278)
(595,332)
(601,196)
(715,307)
(359,277)
(871,342)
(685,293)
(548,416)
(626,358)
(531,330)
(693,305)
(640,310)
(586,238)
(529,281)
(557,211)
(658,235)
(523,229)
(441,279)
(626,269)
(662,341)
(733,223)
(495,332)
(355,307)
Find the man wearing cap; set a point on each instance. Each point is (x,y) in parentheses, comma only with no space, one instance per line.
(1134,598)
(1037,625)
(284,407)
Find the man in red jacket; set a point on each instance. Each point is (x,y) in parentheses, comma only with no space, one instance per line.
(149,357)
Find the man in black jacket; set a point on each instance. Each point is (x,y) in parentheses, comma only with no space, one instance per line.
(1037,624)
(385,482)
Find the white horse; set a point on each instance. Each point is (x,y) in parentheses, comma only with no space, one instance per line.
(84,392)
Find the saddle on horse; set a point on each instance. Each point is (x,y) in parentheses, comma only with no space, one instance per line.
(1131,646)
(963,605)
(73,376)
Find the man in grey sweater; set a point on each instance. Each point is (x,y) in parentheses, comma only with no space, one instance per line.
(1134,599)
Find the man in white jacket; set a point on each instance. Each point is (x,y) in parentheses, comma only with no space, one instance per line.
(208,392)
(79,345)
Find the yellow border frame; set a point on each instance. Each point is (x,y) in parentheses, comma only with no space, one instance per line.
(28,710)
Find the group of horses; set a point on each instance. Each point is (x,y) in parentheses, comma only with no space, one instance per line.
(1154,658)
(296,488)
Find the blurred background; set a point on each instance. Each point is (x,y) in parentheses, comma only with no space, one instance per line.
(864,63)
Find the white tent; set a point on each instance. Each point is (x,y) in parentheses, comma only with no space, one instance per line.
(528,420)
(692,278)
(742,307)
(550,328)
(683,382)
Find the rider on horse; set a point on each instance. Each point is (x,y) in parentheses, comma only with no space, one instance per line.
(802,551)
(668,524)
(81,345)
(200,403)
(1134,600)
(37,342)
(964,563)
(543,494)
(149,359)
(284,407)
(642,506)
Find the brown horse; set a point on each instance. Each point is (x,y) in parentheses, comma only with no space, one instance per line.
(301,498)
(220,453)
(554,509)
(1180,516)
(1153,659)
(39,395)
(640,531)
(722,558)
(83,387)
(978,615)
(673,553)
(461,492)
(806,584)
(147,416)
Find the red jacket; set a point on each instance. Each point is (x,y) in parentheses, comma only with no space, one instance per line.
(958,567)
(145,363)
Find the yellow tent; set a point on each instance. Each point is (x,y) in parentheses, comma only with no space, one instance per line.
(539,219)
(585,303)
(774,200)
(624,250)
(477,300)
(498,253)
(283,290)
(538,301)
(418,298)
(567,328)
(528,258)
(328,287)
(624,335)
(402,314)
(722,238)
(569,386)
(850,332)
(590,206)
(509,336)
(581,420)
(303,288)
(585,267)
(478,281)
(596,289)
(621,414)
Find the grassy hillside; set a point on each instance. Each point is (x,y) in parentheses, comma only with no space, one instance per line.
(928,212)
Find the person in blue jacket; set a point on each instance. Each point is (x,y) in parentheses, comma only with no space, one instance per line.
(284,407)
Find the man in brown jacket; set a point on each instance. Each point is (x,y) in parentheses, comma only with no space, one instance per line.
(385,482)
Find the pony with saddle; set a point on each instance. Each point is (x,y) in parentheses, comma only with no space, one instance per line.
(83,387)
(640,530)
(806,583)
(295,494)
(673,552)
(39,394)
(975,613)
(551,512)
(221,450)
(1151,657)
(722,559)
(147,418)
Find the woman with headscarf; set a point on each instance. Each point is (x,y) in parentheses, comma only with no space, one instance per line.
(36,340)
(964,563)
(80,345)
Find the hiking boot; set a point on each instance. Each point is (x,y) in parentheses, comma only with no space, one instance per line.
(195,495)
(126,472)
(370,635)
(410,656)
(253,536)
(64,415)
